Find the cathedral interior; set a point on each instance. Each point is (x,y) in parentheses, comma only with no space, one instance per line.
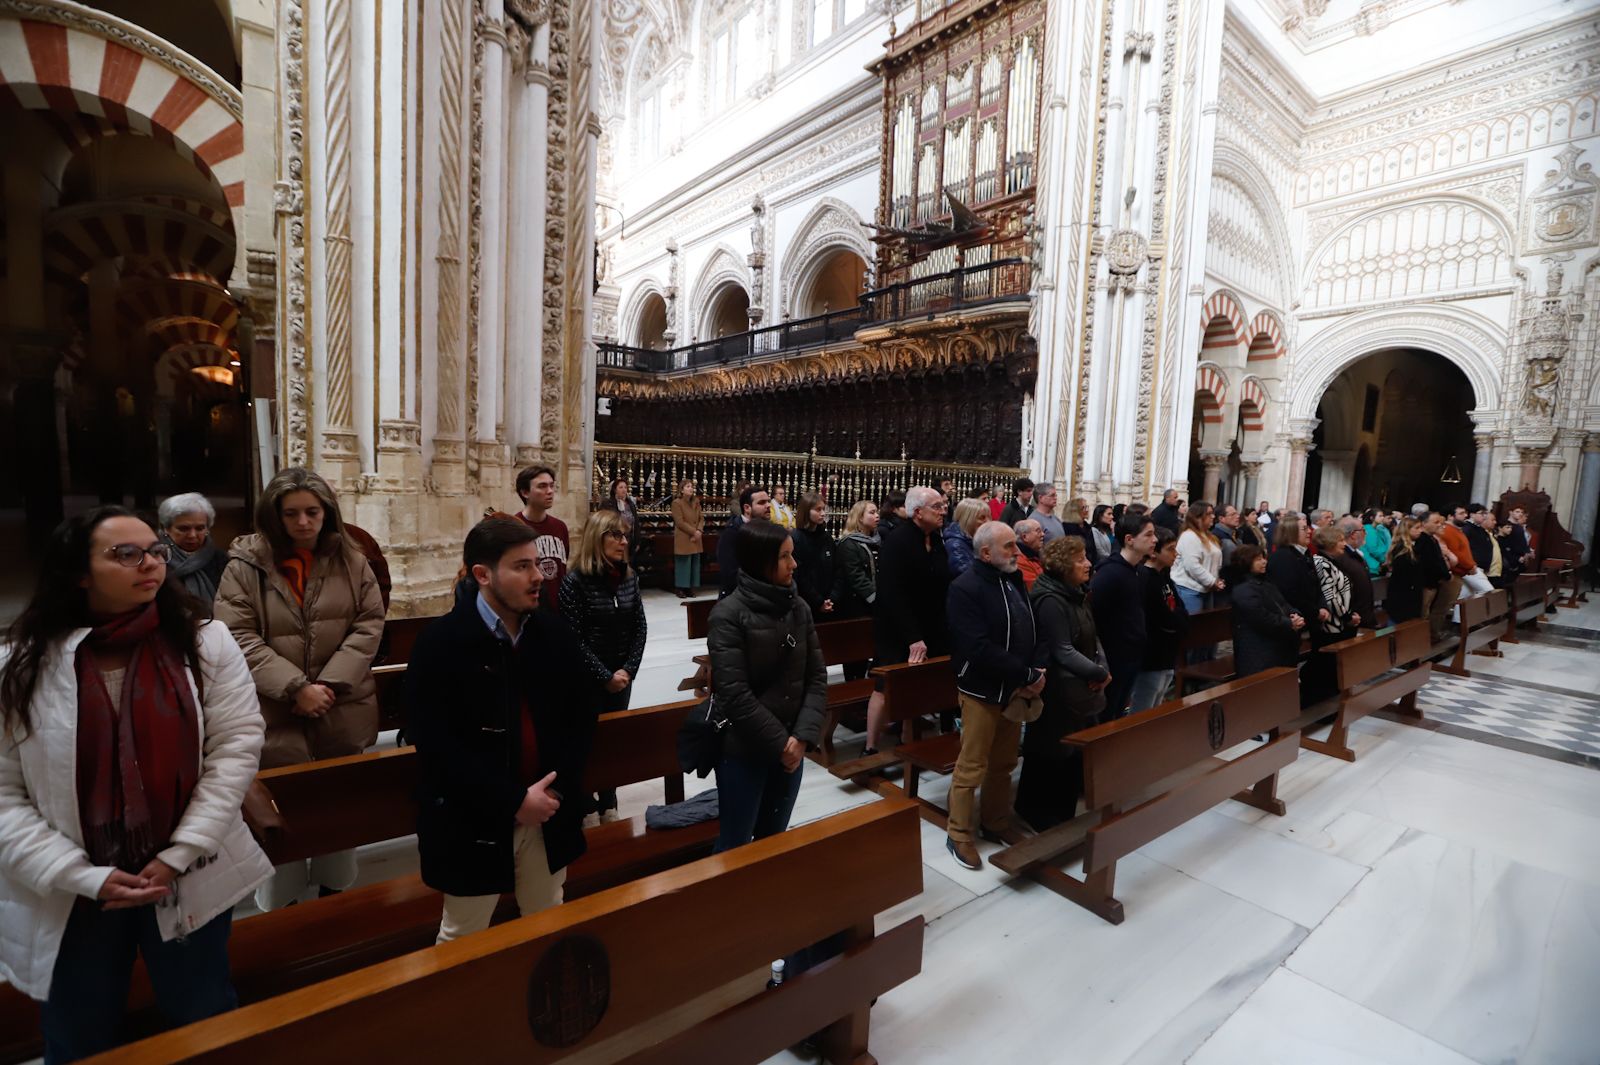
(1327,254)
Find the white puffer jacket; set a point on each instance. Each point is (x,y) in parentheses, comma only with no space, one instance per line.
(43,866)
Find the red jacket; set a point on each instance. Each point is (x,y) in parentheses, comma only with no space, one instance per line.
(1456,541)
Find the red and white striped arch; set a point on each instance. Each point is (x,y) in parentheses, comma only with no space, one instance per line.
(79,236)
(1211,392)
(1266,337)
(47,66)
(1222,325)
(1252,405)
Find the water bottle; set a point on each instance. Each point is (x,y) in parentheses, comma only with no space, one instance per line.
(777,974)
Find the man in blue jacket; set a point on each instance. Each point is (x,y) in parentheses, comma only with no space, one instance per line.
(996,654)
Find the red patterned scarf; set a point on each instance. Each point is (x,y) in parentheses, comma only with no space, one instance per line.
(137,762)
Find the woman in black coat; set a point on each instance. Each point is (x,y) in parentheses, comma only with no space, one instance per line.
(768,683)
(1266,629)
(1290,568)
(600,601)
(813,555)
(1407,578)
(1074,689)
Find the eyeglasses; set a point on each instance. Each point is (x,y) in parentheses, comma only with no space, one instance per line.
(615,534)
(132,555)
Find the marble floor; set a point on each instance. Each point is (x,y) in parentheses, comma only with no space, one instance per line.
(1437,900)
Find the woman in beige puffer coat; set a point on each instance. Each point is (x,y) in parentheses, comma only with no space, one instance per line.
(305,608)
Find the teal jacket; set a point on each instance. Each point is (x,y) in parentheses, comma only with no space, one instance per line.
(1376,549)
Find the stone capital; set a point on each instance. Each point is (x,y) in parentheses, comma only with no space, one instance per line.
(1591,443)
(1214,458)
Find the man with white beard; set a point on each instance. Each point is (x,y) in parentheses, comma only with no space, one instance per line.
(997,657)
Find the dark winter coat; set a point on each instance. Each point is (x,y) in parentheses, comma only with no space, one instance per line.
(1430,559)
(767,675)
(1166,516)
(1166,619)
(957,550)
(1073,656)
(814,562)
(1295,575)
(1354,566)
(607,616)
(1117,597)
(912,581)
(855,575)
(464,698)
(1263,635)
(994,644)
(1403,601)
(1015,511)
(1482,546)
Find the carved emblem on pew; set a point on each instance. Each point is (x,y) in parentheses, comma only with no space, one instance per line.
(1216,725)
(569,991)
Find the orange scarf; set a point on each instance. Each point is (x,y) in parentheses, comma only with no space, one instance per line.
(296,569)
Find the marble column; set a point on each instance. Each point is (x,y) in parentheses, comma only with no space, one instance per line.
(1215,460)
(491,306)
(1588,497)
(1482,469)
(1532,466)
(524,323)
(1252,483)
(340,458)
(1299,448)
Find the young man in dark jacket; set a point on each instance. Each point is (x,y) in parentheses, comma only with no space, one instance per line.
(1117,597)
(754,504)
(503,718)
(1021,504)
(997,654)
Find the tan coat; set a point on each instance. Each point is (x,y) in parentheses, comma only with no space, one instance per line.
(329,640)
(686,521)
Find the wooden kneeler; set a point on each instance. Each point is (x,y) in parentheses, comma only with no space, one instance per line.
(1366,682)
(670,968)
(1150,772)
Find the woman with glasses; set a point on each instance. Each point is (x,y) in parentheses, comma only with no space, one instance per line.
(600,600)
(131,733)
(305,607)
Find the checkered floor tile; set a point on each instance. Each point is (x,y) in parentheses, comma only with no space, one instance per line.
(1570,722)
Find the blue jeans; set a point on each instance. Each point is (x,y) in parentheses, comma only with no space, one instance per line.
(754,800)
(1194,602)
(89,986)
(1149,689)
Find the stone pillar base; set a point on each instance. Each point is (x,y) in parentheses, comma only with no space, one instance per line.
(340,461)
(399,457)
(448,471)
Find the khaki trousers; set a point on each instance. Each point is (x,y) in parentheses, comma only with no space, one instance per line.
(989,743)
(537,889)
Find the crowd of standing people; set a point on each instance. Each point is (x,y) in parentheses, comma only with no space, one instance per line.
(153,673)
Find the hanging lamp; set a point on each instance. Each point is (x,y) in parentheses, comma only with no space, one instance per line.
(1452,472)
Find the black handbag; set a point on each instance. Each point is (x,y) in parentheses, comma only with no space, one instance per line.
(700,739)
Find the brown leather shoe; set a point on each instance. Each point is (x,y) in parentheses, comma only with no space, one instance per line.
(1011,835)
(965,854)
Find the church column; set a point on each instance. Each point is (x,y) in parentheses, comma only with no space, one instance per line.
(1588,498)
(1338,480)
(525,287)
(448,472)
(1252,483)
(340,458)
(1482,468)
(1215,460)
(1300,446)
(491,322)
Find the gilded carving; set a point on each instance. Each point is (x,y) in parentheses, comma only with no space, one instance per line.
(289,203)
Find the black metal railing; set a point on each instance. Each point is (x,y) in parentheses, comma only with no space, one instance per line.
(970,286)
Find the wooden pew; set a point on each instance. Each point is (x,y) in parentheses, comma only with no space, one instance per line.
(1528,594)
(909,693)
(1368,681)
(342,803)
(671,968)
(1149,772)
(399,637)
(697,613)
(1207,628)
(1380,592)
(1479,628)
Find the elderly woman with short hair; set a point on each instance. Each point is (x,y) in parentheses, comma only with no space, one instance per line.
(197,563)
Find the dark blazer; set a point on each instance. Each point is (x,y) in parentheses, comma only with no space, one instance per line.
(813,576)
(912,582)
(1263,635)
(1353,564)
(727,559)
(993,643)
(464,694)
